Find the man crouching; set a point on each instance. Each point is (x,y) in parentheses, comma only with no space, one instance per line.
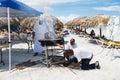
(77,57)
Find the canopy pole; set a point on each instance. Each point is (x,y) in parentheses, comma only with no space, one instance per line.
(8,15)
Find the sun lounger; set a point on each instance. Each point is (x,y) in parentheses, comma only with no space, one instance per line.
(109,43)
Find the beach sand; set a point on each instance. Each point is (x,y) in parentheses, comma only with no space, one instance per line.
(109,61)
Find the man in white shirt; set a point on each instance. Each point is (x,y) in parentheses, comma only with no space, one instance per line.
(80,57)
(71,44)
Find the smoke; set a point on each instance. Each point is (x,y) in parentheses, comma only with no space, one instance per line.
(113,28)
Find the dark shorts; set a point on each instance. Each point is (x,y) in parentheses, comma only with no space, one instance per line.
(86,64)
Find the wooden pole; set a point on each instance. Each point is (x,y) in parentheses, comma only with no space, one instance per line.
(100,32)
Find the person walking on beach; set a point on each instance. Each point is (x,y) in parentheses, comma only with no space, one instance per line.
(80,57)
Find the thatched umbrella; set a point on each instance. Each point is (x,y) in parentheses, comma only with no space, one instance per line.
(58,23)
(77,23)
(86,22)
(83,22)
(74,21)
(28,23)
(69,23)
(13,22)
(100,20)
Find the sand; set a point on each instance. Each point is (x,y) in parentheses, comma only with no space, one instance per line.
(109,61)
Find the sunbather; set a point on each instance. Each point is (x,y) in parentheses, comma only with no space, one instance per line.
(92,33)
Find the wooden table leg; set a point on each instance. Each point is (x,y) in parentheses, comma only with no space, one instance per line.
(46,53)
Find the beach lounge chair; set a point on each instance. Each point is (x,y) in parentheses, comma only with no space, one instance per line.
(109,43)
(26,39)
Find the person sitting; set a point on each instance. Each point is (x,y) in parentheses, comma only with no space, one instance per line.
(17,36)
(80,57)
(92,33)
(104,38)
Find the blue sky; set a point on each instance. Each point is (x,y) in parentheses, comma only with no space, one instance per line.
(69,9)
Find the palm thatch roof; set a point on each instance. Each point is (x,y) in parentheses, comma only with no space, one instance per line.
(26,23)
(69,23)
(58,23)
(100,20)
(87,22)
